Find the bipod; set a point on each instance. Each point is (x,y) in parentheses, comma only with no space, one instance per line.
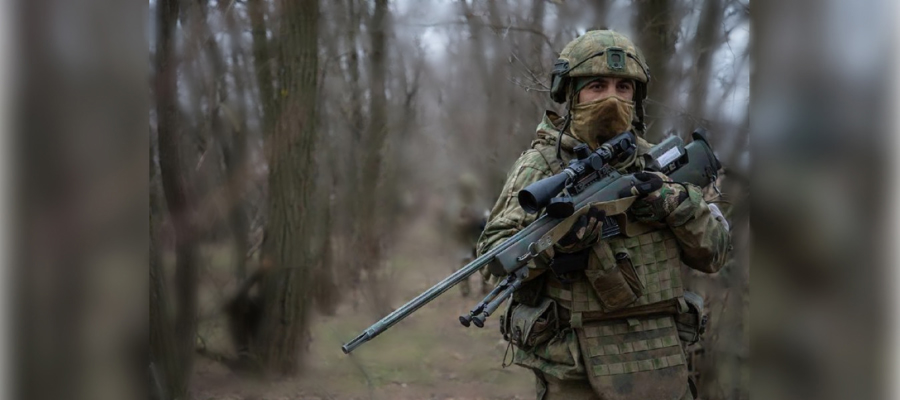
(492,301)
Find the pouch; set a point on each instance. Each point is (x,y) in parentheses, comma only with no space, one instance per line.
(617,286)
(691,324)
(526,326)
(530,292)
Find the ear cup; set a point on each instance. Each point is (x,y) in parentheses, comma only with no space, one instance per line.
(559,80)
(558,88)
(640,94)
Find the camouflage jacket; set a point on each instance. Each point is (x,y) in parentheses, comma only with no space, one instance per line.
(703,239)
(622,359)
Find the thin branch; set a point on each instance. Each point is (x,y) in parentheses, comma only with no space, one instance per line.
(729,88)
(526,87)
(534,78)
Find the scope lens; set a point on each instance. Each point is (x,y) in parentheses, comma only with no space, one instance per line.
(528,202)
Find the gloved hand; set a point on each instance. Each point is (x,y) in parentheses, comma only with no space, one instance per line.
(657,196)
(584,232)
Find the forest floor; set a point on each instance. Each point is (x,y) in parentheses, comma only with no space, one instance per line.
(427,356)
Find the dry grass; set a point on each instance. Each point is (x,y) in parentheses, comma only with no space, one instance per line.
(428,356)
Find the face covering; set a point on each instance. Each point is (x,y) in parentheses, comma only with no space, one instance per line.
(597,121)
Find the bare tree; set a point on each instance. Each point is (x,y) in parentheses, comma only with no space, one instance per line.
(317,134)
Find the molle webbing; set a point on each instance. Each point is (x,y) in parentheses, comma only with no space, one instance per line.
(656,259)
(668,307)
(616,347)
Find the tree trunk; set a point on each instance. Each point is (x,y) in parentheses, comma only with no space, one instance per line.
(376,133)
(706,41)
(239,171)
(354,194)
(290,152)
(262,63)
(326,290)
(230,132)
(657,28)
(175,187)
(163,354)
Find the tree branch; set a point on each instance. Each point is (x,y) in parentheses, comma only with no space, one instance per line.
(534,78)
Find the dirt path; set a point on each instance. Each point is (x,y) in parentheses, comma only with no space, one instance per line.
(428,356)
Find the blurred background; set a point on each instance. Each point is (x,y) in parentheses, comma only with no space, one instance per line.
(313,165)
(316,164)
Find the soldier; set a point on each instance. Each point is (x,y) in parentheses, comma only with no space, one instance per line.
(607,319)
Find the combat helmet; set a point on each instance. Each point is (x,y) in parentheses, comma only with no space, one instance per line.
(601,52)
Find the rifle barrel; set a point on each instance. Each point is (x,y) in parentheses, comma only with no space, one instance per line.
(430,294)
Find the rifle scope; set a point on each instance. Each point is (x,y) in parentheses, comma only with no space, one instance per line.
(538,195)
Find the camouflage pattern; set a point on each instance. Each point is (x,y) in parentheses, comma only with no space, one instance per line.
(536,163)
(583,233)
(639,357)
(654,256)
(602,53)
(526,326)
(593,42)
(550,388)
(657,205)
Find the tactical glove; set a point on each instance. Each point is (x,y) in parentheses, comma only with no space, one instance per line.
(584,232)
(657,196)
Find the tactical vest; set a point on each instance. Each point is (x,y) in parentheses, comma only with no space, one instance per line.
(631,356)
(655,258)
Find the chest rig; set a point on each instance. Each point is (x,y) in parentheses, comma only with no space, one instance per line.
(649,263)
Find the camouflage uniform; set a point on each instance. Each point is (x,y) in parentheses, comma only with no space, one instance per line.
(631,354)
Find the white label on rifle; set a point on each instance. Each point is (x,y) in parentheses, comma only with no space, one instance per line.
(669,156)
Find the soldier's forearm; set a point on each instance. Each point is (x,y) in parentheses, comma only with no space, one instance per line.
(705,242)
(703,237)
